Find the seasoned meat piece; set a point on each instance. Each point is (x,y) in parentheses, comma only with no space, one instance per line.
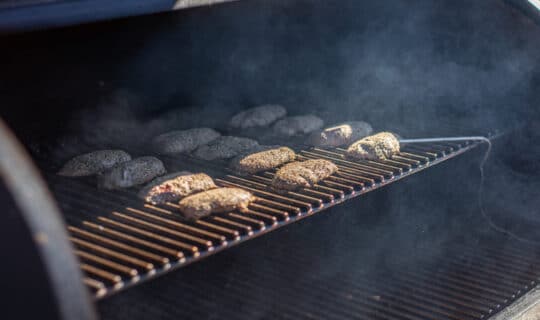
(93,163)
(172,187)
(258,116)
(262,160)
(225,147)
(131,173)
(340,134)
(301,174)
(184,140)
(379,146)
(216,200)
(291,126)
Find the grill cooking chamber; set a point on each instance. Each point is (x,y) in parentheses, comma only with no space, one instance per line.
(376,240)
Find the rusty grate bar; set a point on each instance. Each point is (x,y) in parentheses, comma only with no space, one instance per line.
(121,240)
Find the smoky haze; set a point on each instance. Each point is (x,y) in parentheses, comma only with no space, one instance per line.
(401,65)
(419,68)
(422,68)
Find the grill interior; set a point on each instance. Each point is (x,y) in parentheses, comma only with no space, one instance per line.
(121,240)
(418,69)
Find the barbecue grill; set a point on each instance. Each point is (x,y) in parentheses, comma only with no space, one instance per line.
(434,232)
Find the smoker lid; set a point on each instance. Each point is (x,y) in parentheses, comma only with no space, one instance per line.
(24,15)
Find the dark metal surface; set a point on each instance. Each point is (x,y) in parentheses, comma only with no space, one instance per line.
(122,241)
(18,16)
(530,8)
(39,272)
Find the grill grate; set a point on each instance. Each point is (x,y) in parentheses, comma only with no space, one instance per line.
(121,241)
(463,280)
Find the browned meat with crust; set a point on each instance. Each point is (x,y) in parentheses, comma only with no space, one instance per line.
(302,174)
(175,186)
(380,146)
(93,163)
(258,117)
(262,160)
(131,173)
(340,134)
(213,201)
(225,147)
(184,140)
(291,126)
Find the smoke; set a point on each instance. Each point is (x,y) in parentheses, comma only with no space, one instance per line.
(425,68)
(412,67)
(419,68)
